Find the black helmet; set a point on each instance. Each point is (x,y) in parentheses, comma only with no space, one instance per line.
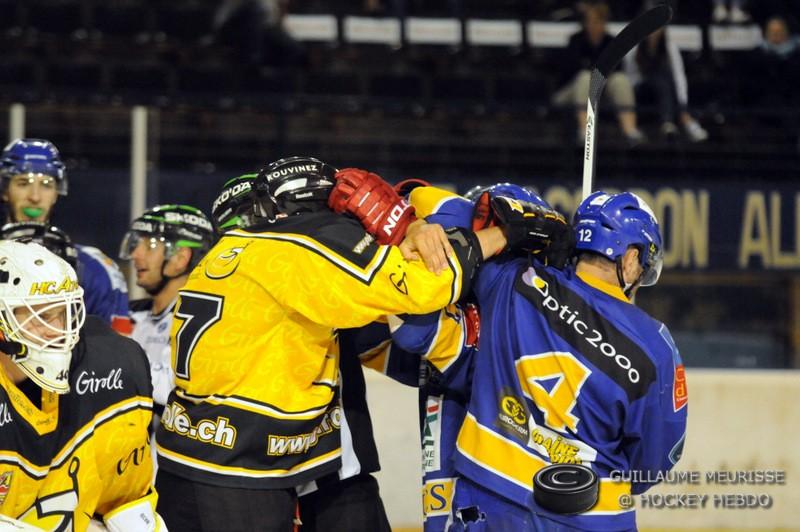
(176,226)
(49,236)
(294,185)
(236,204)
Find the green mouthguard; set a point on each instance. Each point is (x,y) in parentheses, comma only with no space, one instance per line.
(32,212)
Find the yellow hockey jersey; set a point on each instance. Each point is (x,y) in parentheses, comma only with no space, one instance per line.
(85,453)
(255,351)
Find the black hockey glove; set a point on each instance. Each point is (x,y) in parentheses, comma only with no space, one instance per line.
(534,229)
(561,248)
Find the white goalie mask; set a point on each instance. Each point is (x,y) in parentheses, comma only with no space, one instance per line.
(41,312)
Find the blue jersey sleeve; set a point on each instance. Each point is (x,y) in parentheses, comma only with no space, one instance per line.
(105,290)
(442,206)
(455,212)
(446,341)
(655,427)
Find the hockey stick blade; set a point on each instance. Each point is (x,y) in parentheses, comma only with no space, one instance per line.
(624,42)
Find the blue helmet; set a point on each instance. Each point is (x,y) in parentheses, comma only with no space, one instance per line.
(33,156)
(509,190)
(608,224)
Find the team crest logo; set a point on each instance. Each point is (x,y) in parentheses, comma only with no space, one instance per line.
(512,415)
(399,282)
(5,485)
(224,264)
(514,409)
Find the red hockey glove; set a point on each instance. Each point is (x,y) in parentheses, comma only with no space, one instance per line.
(482,215)
(382,212)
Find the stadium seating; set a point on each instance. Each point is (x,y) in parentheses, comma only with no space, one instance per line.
(495,63)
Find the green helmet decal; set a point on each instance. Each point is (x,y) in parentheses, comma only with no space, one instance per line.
(234,206)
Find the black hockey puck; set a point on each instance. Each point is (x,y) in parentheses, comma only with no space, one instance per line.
(566,488)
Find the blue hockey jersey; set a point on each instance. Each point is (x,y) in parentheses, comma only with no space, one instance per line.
(569,371)
(105,289)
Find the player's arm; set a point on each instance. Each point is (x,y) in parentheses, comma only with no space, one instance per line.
(655,427)
(392,220)
(329,288)
(445,340)
(420,348)
(523,226)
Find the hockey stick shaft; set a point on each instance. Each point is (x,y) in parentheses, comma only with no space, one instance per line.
(631,35)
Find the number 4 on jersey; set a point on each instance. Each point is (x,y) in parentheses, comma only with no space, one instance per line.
(198,312)
(553,382)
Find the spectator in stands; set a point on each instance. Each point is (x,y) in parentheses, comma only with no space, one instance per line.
(656,64)
(772,72)
(255,29)
(733,12)
(582,52)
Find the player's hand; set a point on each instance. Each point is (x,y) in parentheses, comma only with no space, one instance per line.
(561,248)
(382,212)
(532,228)
(427,242)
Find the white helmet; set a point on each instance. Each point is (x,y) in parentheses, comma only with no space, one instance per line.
(41,312)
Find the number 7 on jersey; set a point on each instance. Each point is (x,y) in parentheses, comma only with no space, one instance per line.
(198,312)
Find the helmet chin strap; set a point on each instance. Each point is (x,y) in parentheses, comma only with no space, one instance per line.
(164,280)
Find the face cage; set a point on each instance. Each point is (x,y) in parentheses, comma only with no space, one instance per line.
(64,338)
(132,239)
(61,184)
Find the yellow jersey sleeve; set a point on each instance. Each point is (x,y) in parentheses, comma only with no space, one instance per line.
(342,289)
(328,290)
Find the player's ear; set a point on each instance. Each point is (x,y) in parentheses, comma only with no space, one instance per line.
(630,264)
(180,260)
